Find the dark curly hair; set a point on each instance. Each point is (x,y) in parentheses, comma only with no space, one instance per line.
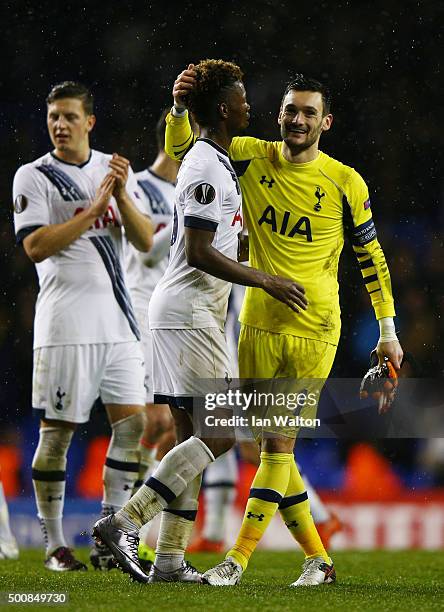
(302,83)
(72,89)
(213,78)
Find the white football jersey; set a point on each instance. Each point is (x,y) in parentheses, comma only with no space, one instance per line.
(82,298)
(157,199)
(207,197)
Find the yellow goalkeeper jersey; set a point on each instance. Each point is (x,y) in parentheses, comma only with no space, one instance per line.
(297,216)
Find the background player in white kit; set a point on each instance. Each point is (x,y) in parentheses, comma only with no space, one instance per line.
(187,314)
(8,543)
(70,206)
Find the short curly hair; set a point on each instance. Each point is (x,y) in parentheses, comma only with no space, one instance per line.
(213,78)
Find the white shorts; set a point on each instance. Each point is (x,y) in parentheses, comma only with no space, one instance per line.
(68,379)
(183,357)
(147,347)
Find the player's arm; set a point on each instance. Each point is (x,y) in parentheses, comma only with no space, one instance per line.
(48,240)
(160,248)
(138,227)
(373,268)
(201,254)
(179,137)
(201,219)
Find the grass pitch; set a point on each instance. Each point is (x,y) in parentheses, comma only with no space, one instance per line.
(366,581)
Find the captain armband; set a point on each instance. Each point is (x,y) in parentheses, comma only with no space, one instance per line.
(364,233)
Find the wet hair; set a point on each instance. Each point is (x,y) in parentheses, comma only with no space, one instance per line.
(301,83)
(213,79)
(72,89)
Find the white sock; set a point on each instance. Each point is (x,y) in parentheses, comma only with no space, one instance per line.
(5,530)
(219,494)
(107,509)
(168,562)
(148,461)
(174,535)
(52,530)
(121,468)
(48,479)
(176,525)
(218,505)
(177,469)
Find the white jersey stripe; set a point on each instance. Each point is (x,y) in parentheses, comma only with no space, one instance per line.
(69,182)
(67,188)
(120,282)
(104,247)
(114,269)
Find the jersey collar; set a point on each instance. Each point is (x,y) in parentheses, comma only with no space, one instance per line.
(213,144)
(314,163)
(62,161)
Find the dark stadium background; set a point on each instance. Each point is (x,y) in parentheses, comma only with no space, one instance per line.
(383,63)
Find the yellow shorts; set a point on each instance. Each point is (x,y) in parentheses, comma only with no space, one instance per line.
(304,364)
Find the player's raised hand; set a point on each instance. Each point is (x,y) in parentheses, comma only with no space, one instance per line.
(103,195)
(119,170)
(393,351)
(287,291)
(183,85)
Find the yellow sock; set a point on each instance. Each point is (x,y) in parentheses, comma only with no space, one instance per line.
(267,490)
(295,511)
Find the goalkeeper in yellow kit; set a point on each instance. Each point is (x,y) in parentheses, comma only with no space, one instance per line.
(298,203)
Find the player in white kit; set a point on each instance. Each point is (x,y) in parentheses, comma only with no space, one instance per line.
(187,315)
(143,271)
(8,543)
(70,208)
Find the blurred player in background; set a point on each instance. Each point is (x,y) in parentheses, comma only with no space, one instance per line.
(219,493)
(69,210)
(187,315)
(143,272)
(8,543)
(297,202)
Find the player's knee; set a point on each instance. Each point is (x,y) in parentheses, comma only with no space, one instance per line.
(279,444)
(128,431)
(219,446)
(156,425)
(164,423)
(52,448)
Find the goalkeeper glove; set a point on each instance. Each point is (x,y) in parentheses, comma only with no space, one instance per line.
(380,383)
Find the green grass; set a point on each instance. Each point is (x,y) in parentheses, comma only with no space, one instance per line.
(366,581)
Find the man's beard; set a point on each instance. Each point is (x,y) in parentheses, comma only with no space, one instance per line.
(298,148)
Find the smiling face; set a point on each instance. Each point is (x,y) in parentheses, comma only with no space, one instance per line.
(69,125)
(302,121)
